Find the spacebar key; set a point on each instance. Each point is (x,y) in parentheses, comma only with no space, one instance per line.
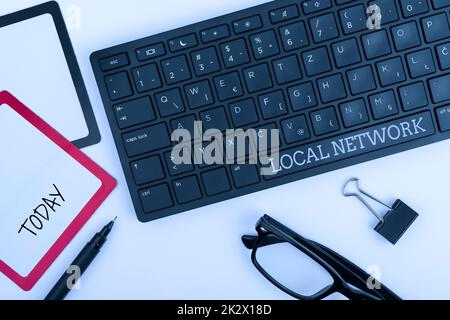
(352,144)
(146,140)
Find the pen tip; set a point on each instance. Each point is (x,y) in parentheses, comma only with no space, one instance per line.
(114,220)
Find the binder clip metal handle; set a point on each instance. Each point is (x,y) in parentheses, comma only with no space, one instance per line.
(346,192)
(394,223)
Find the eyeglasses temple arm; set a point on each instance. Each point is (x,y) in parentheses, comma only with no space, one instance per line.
(249,241)
(352,271)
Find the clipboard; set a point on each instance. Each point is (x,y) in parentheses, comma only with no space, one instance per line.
(36,165)
(39,66)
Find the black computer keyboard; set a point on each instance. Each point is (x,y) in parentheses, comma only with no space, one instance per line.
(339,93)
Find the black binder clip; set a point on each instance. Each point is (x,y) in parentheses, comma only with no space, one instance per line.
(394,223)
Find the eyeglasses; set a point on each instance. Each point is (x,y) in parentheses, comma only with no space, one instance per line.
(324,268)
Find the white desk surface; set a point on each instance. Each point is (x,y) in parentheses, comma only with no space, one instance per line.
(199,254)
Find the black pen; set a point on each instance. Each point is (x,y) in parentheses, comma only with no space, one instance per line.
(80,264)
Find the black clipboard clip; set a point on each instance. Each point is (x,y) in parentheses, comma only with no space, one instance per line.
(394,223)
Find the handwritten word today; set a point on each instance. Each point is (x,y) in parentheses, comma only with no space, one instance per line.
(35,222)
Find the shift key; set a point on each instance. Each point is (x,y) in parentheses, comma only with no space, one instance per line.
(146,140)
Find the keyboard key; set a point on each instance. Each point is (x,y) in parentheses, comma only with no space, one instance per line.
(118,61)
(413,7)
(443,52)
(213,157)
(302,96)
(353,19)
(316,61)
(214,119)
(406,36)
(187,123)
(146,78)
(205,61)
(216,33)
(440,3)
(443,115)
(295,129)
(264,44)
(244,175)
(272,104)
(216,181)
(376,44)
(156,198)
(323,28)
(257,78)
(312,6)
(199,94)
(324,121)
(420,63)
(354,113)
(234,53)
(147,170)
(383,104)
(436,27)
(294,36)
(228,86)
(118,86)
(187,189)
(264,133)
(150,52)
(176,70)
(284,14)
(388,10)
(184,42)
(340,2)
(134,112)
(361,80)
(169,102)
(331,88)
(235,149)
(440,88)
(146,140)
(287,69)
(346,53)
(413,96)
(243,113)
(177,169)
(247,24)
(391,71)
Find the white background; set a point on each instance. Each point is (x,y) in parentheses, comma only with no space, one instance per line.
(199,254)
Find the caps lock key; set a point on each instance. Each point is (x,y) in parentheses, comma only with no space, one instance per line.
(146,140)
